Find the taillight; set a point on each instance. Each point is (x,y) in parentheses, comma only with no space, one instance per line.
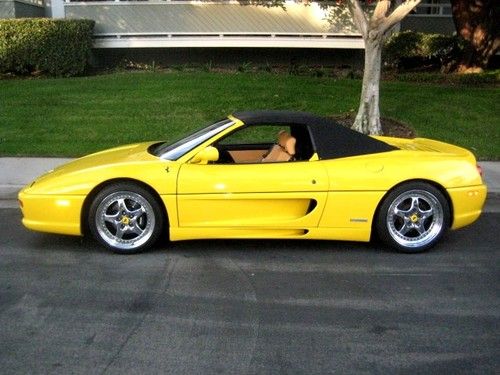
(479,170)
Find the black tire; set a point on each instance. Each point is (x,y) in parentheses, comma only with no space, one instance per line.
(413,217)
(126,218)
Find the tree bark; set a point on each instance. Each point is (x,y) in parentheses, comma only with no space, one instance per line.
(478,22)
(368,117)
(373,31)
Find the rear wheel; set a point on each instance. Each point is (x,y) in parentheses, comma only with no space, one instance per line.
(126,218)
(413,217)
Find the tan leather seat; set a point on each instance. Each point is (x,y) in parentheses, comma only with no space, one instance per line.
(283,151)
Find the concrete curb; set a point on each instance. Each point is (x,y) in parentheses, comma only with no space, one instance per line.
(17,172)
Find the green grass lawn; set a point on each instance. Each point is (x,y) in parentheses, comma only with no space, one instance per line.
(75,116)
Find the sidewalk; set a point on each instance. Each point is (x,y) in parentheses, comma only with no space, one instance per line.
(17,172)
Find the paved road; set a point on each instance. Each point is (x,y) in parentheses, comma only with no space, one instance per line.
(257,307)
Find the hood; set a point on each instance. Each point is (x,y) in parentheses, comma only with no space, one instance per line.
(81,174)
(136,152)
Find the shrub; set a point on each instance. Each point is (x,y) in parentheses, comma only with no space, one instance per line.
(54,47)
(475,79)
(410,49)
(245,67)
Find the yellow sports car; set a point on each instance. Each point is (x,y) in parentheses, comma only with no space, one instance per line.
(262,174)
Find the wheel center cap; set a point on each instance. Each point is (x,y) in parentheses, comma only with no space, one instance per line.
(414,218)
(125,220)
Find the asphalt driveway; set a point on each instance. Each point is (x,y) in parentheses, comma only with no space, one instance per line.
(248,307)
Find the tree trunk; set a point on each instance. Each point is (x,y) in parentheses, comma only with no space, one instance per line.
(373,31)
(368,118)
(477,21)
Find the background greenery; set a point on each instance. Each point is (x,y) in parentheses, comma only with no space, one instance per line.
(411,49)
(75,116)
(45,46)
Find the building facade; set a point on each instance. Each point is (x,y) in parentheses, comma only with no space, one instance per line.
(150,27)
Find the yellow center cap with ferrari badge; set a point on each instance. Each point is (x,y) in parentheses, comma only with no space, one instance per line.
(125,220)
(414,218)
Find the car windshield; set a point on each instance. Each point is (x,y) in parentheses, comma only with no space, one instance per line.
(175,150)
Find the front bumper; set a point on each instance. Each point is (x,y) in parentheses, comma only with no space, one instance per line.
(52,213)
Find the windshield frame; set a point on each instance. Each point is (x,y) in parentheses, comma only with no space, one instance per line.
(178,149)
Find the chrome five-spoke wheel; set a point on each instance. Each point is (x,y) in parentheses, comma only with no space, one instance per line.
(125,217)
(413,217)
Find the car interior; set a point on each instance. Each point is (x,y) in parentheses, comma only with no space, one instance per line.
(284,150)
(265,144)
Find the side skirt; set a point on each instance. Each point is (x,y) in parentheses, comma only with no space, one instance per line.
(340,234)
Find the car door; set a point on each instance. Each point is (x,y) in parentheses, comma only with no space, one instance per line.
(261,195)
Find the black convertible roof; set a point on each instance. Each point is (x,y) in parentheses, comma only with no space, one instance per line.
(330,139)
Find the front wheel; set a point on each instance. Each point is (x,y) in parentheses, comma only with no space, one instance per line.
(413,217)
(125,218)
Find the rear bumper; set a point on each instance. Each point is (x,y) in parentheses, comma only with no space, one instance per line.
(52,213)
(467,203)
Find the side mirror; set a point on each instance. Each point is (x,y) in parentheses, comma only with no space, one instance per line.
(204,156)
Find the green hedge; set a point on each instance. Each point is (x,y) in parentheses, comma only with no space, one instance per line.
(409,48)
(477,79)
(48,46)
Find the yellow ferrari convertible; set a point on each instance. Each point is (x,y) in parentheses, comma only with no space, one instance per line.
(262,174)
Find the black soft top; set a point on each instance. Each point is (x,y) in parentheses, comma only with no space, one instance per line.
(330,139)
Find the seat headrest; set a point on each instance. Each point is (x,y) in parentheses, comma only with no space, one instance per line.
(286,141)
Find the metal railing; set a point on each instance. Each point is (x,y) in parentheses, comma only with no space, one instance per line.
(225,34)
(145,40)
